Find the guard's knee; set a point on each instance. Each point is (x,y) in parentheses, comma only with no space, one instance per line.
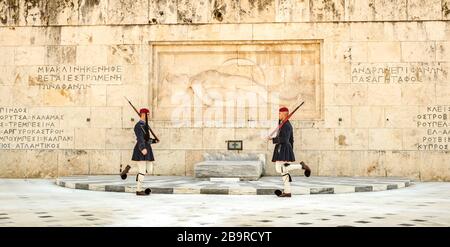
(140,177)
(288,176)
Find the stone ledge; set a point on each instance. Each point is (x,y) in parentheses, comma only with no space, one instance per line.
(264,186)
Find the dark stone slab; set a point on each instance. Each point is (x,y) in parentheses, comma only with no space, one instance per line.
(363,188)
(162,190)
(404,224)
(115,188)
(219,191)
(392,187)
(362,221)
(419,220)
(322,191)
(62,183)
(265,191)
(265,221)
(82,186)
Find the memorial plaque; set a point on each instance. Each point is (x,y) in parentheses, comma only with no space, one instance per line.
(227,81)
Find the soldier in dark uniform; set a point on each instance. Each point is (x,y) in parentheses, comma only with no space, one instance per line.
(142,153)
(283,154)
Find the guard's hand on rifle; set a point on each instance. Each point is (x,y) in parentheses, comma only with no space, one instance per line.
(144,151)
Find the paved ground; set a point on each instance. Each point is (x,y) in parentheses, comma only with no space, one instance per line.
(263,186)
(42,203)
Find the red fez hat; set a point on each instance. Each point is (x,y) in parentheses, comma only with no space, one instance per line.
(284,109)
(144,110)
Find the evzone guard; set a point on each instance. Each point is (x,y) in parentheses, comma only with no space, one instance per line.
(283,154)
(142,153)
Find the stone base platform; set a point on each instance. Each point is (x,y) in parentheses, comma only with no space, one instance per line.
(264,186)
(244,170)
(230,165)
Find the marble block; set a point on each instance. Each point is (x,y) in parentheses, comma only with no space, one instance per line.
(230,165)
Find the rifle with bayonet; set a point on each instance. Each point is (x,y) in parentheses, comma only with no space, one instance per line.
(147,127)
(285,120)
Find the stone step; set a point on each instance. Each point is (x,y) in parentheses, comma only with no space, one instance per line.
(264,186)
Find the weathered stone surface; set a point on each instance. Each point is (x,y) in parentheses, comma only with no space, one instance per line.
(424,10)
(170,162)
(189,11)
(179,138)
(317,139)
(366,69)
(93,12)
(434,166)
(338,117)
(445,9)
(63,12)
(292,10)
(418,94)
(224,11)
(384,52)
(42,164)
(61,54)
(83,138)
(257,11)
(350,94)
(335,164)
(400,116)
(163,12)
(33,13)
(402,164)
(418,51)
(353,139)
(127,11)
(9,12)
(73,162)
(104,162)
(384,94)
(368,163)
(327,10)
(385,139)
(248,170)
(13,164)
(367,117)
(246,166)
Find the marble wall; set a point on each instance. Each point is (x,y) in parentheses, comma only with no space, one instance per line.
(373,73)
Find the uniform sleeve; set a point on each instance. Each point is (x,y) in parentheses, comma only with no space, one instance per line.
(139,137)
(283,136)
